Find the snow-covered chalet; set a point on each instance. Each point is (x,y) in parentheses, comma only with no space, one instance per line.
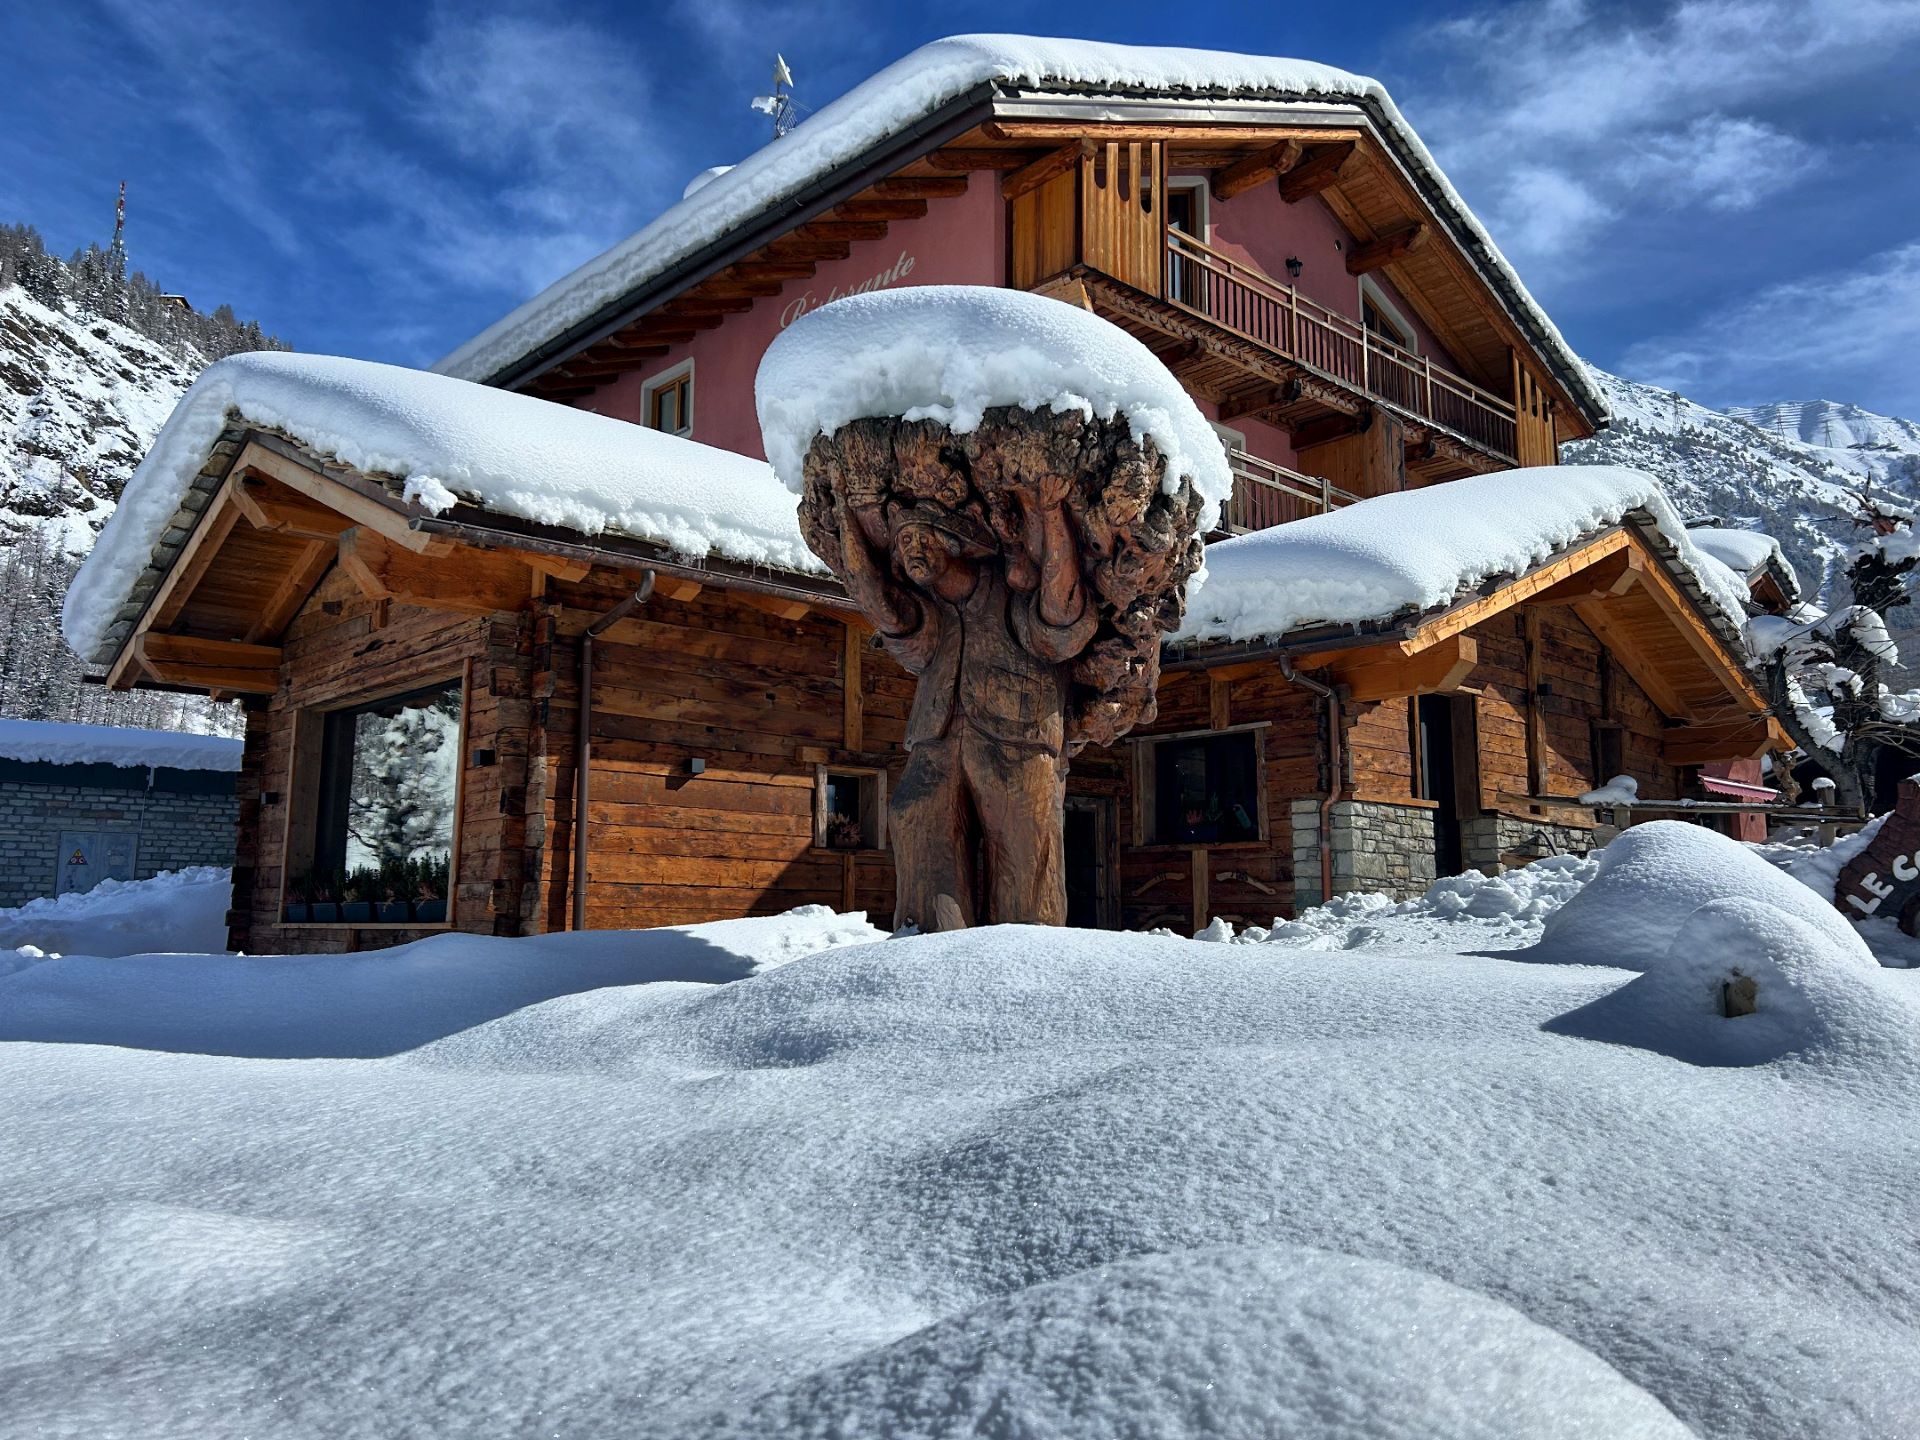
(533,642)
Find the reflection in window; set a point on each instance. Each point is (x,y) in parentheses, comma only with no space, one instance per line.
(1206,790)
(389,774)
(849,810)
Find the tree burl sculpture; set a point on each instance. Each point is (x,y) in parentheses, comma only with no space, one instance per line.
(1024,571)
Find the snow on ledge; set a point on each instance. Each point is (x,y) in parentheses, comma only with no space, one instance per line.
(1419,550)
(1745,552)
(449,440)
(57,743)
(951,352)
(889,104)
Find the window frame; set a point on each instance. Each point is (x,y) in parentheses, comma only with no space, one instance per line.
(1198,184)
(876,776)
(1146,789)
(305,766)
(1372,294)
(673,377)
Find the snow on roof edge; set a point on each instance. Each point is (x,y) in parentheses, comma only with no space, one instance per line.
(891,101)
(449,440)
(62,743)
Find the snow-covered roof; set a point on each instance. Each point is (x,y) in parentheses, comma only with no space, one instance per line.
(889,105)
(951,352)
(448,440)
(1421,550)
(57,743)
(1745,552)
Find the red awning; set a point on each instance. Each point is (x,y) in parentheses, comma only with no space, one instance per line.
(1737,789)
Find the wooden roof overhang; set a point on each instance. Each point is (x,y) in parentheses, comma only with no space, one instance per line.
(270,519)
(1624,583)
(1378,187)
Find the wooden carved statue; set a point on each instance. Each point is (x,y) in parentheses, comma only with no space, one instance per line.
(1024,572)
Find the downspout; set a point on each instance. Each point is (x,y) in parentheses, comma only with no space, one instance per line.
(1336,772)
(583,743)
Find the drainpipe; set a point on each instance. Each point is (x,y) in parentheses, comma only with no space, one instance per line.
(583,743)
(1335,770)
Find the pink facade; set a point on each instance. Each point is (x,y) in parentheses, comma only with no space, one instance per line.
(1258,228)
(958,242)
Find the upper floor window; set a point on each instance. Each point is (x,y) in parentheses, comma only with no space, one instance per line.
(669,400)
(1379,316)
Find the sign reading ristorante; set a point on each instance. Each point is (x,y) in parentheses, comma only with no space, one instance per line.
(892,275)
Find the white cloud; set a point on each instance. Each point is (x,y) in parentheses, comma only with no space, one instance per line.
(1613,112)
(1843,335)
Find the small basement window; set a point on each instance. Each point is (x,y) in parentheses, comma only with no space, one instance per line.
(669,400)
(384,811)
(849,809)
(1206,788)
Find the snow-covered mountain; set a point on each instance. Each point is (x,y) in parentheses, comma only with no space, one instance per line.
(81,399)
(1791,469)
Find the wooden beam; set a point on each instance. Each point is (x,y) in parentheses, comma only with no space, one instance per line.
(777,605)
(771,270)
(1622,645)
(1536,719)
(1387,674)
(790,248)
(673,587)
(960,158)
(1317,170)
(559,567)
(209,664)
(362,510)
(1252,402)
(1068,289)
(196,557)
(1047,167)
(1678,608)
(716,305)
(1614,575)
(292,591)
(1255,169)
(1219,700)
(1396,245)
(1330,428)
(842,230)
(878,210)
(1704,744)
(1470,613)
(268,507)
(471,581)
(919,187)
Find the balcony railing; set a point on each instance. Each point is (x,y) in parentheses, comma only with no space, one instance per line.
(1266,494)
(1258,308)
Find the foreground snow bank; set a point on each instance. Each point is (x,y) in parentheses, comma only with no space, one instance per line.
(450,441)
(177,910)
(382,1001)
(1238,1340)
(950,353)
(1654,876)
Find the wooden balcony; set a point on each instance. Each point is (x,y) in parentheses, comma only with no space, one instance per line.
(1266,494)
(1239,298)
(1094,225)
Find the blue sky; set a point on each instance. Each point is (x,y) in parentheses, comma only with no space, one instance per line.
(1721,195)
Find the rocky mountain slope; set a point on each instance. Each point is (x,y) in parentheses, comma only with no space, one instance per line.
(1791,469)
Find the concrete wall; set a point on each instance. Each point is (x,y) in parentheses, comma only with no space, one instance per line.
(177,818)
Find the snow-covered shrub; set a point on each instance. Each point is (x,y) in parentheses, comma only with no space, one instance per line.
(1807,995)
(1653,877)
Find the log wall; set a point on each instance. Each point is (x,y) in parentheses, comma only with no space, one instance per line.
(342,649)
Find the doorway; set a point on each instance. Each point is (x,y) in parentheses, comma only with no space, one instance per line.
(1088,856)
(1445,772)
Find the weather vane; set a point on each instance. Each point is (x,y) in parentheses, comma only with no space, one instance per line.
(780,106)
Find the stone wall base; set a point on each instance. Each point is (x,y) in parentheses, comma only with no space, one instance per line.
(1377,848)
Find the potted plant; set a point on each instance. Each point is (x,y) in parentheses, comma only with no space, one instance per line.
(296,911)
(362,889)
(430,891)
(393,907)
(325,906)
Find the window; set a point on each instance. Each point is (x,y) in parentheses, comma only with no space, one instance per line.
(1205,788)
(849,809)
(1187,207)
(384,805)
(669,400)
(1380,317)
(1606,753)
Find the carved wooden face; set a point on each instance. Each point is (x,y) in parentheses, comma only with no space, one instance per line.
(932,560)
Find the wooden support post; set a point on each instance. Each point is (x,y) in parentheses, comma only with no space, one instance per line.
(1536,722)
(1219,700)
(1201,901)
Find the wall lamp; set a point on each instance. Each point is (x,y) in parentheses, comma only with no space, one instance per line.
(1294,267)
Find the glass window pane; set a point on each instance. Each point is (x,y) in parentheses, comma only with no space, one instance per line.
(388,786)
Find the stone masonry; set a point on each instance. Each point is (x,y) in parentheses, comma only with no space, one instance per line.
(1382,849)
(173,827)
(1492,843)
